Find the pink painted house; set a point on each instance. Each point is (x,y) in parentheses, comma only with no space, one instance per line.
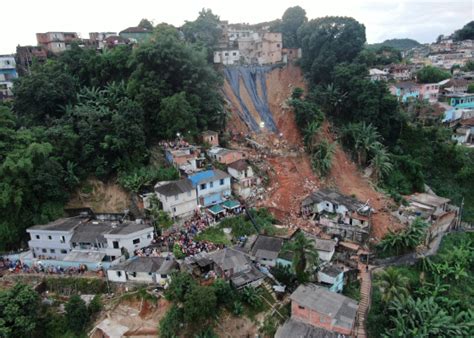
(317,306)
(429,91)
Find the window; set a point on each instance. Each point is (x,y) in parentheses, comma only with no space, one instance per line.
(63,251)
(52,250)
(115,244)
(174,209)
(164,276)
(222,181)
(49,237)
(234,54)
(203,186)
(176,197)
(300,307)
(63,239)
(226,54)
(119,273)
(44,250)
(278,45)
(136,241)
(37,236)
(211,185)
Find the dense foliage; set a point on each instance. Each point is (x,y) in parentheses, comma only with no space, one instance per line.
(430,74)
(327,42)
(195,307)
(22,314)
(85,113)
(401,44)
(465,33)
(432,298)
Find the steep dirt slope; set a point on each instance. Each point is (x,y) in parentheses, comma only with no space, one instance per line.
(291,177)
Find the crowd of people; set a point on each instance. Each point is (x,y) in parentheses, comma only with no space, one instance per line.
(16,266)
(184,237)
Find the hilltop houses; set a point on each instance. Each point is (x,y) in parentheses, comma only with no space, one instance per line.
(178,198)
(241,43)
(8,74)
(212,186)
(86,240)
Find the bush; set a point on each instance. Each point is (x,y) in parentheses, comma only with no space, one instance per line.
(77,314)
(170,324)
(138,178)
(214,235)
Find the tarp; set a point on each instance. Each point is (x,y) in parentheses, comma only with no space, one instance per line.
(231,204)
(216,209)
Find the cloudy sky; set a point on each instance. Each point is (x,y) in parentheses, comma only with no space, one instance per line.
(422,20)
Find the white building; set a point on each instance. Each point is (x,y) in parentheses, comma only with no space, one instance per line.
(378,75)
(149,270)
(8,73)
(71,238)
(229,56)
(178,198)
(212,186)
(243,178)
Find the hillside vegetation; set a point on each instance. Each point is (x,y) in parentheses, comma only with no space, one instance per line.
(84,114)
(401,44)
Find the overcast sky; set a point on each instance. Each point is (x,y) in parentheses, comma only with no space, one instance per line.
(384,19)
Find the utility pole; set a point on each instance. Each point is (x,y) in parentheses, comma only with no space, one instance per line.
(460,213)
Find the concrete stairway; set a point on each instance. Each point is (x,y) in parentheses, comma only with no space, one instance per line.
(364,303)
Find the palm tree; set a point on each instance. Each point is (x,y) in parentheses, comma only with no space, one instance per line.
(305,256)
(392,284)
(310,134)
(322,157)
(380,162)
(362,138)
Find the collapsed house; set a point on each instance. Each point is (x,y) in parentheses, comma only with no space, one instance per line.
(228,264)
(338,215)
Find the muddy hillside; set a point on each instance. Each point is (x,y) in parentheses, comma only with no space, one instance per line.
(257,98)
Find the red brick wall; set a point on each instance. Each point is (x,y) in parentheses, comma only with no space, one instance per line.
(316,319)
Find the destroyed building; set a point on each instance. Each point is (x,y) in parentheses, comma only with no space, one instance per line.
(338,215)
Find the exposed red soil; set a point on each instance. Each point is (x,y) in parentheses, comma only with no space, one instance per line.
(292,177)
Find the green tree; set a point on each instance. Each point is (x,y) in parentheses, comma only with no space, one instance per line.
(177,116)
(42,96)
(95,306)
(381,163)
(145,23)
(171,323)
(392,284)
(199,305)
(166,66)
(305,256)
(425,318)
(19,311)
(292,20)
(430,74)
(326,42)
(465,33)
(251,296)
(205,30)
(470,88)
(362,138)
(322,157)
(77,314)
(180,285)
